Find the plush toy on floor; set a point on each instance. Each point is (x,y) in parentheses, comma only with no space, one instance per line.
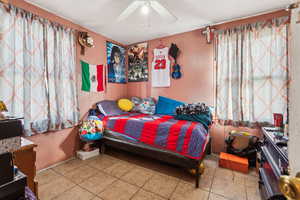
(90,131)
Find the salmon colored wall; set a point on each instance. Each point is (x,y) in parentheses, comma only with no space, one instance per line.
(58,146)
(197,82)
(196,60)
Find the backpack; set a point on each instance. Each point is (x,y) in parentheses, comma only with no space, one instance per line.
(244,145)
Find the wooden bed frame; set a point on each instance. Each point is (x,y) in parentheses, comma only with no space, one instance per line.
(158,154)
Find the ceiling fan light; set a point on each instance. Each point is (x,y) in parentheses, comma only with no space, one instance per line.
(145,9)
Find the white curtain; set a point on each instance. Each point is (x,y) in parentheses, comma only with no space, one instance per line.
(252,72)
(63,104)
(28,58)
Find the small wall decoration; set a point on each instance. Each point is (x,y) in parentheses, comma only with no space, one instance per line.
(209,33)
(161,66)
(116,63)
(138,63)
(85,40)
(174,53)
(92,77)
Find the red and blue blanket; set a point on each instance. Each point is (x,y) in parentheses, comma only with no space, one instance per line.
(163,131)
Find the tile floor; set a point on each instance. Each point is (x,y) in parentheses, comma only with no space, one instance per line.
(123,176)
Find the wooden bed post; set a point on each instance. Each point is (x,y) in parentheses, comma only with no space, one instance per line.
(197,176)
(199,171)
(102,148)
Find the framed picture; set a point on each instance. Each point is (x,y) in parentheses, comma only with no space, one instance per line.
(116,63)
(138,63)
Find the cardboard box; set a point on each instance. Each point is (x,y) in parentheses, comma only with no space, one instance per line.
(83,155)
(233,162)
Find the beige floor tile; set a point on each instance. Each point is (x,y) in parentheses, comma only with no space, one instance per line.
(223,173)
(169,170)
(162,185)
(211,161)
(119,191)
(138,176)
(251,181)
(144,195)
(253,193)
(102,162)
(81,174)
(159,181)
(88,161)
(186,191)
(253,172)
(47,176)
(54,188)
(209,171)
(96,198)
(239,178)
(231,189)
(76,193)
(68,166)
(119,169)
(240,174)
(213,196)
(205,181)
(98,183)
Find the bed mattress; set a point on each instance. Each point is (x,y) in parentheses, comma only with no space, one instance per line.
(161,131)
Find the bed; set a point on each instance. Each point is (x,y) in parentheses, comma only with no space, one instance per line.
(179,142)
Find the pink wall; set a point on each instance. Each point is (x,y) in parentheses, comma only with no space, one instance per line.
(196,60)
(58,146)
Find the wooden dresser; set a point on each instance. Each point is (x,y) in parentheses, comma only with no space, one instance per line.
(24,159)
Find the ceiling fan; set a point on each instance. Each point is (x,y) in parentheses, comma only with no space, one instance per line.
(145,6)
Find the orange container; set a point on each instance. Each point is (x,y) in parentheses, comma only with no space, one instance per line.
(233,162)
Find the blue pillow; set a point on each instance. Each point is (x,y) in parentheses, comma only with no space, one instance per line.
(166,106)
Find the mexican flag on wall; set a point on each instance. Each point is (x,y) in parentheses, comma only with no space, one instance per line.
(92,77)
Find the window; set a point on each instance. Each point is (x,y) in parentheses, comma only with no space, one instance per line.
(252,72)
(37,71)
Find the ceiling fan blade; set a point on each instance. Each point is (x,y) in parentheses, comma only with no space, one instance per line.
(164,12)
(129,10)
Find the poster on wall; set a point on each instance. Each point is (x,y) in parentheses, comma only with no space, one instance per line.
(138,63)
(116,63)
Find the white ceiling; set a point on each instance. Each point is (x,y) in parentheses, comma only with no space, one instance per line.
(101,15)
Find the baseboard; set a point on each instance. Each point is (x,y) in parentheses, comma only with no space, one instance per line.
(56,164)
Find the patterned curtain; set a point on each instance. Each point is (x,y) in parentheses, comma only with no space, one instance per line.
(252,72)
(31,63)
(61,77)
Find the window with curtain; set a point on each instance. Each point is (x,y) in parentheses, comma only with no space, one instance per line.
(252,72)
(37,71)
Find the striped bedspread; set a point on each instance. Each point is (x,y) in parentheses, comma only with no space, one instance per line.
(162,131)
